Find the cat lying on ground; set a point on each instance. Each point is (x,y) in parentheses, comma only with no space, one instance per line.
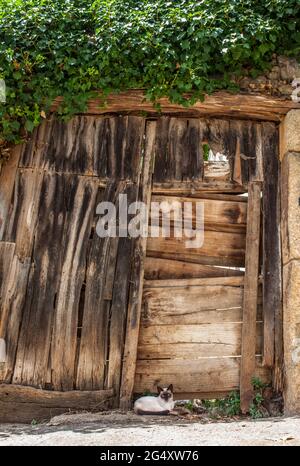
(162,404)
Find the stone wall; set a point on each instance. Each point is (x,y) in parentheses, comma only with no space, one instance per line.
(277,81)
(290,154)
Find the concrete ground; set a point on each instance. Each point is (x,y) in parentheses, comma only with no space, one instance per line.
(129,429)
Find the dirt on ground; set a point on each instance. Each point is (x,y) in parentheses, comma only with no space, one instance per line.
(116,428)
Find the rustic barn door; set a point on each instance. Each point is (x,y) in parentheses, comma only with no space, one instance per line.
(76,312)
(207,325)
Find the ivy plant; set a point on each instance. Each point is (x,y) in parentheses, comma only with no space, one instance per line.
(76,48)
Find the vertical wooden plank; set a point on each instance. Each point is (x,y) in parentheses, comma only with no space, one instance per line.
(259,169)
(247,370)
(20,229)
(278,371)
(161,149)
(132,148)
(272,286)
(177,148)
(6,258)
(237,168)
(7,182)
(35,150)
(248,150)
(39,306)
(101,142)
(64,338)
(119,304)
(111,269)
(136,289)
(12,309)
(6,255)
(93,343)
(125,147)
(192,161)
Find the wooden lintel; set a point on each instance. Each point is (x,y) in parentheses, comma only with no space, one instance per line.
(223,104)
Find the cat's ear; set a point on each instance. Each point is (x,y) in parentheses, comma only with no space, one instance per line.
(170,388)
(159,389)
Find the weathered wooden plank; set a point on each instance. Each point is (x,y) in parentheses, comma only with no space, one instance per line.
(192,164)
(202,375)
(178,150)
(195,301)
(6,257)
(162,269)
(95,322)
(164,316)
(64,339)
(216,212)
(258,107)
(35,149)
(250,296)
(111,269)
(183,283)
(219,248)
(248,146)
(273,334)
(40,302)
(25,404)
(7,182)
(118,311)
(125,147)
(184,188)
(164,311)
(193,341)
(20,228)
(12,308)
(119,304)
(196,304)
(237,164)
(161,129)
(258,175)
(137,275)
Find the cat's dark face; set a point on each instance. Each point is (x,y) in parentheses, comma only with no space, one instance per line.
(166,393)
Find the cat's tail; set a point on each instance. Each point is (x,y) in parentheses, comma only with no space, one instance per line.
(152,413)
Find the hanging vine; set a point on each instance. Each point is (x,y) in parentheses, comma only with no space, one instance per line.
(74,48)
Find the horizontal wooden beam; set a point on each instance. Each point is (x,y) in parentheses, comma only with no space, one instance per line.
(182,188)
(250,106)
(181,282)
(24,404)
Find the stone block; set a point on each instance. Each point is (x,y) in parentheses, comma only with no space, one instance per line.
(290,193)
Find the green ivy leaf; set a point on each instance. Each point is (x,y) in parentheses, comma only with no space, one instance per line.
(29,125)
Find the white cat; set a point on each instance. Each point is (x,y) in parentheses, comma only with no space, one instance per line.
(161,404)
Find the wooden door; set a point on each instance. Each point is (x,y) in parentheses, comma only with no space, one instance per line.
(207,327)
(64,290)
(71,301)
